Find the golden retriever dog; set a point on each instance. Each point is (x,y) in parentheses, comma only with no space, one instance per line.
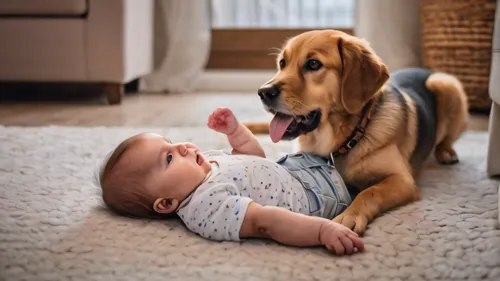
(334,94)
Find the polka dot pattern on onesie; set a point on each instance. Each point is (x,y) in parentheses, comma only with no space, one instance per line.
(216,209)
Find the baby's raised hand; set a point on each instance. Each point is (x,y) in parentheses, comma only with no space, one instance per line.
(340,239)
(223,121)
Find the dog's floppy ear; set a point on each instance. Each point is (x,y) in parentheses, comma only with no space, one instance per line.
(363,73)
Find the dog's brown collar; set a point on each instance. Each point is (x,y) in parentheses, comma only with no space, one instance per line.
(359,131)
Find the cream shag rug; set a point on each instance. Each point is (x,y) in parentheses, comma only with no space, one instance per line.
(53,225)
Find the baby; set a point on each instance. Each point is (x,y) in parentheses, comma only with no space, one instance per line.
(230,196)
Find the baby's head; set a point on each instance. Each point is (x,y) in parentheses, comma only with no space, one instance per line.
(148,176)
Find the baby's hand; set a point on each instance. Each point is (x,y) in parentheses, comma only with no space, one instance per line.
(223,121)
(340,239)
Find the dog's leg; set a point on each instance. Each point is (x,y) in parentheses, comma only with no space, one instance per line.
(393,191)
(452,114)
(257,127)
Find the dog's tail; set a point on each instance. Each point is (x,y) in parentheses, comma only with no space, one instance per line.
(258,128)
(452,102)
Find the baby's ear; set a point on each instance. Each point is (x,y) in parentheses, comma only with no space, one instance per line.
(165,205)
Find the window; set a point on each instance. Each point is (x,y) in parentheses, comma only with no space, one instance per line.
(244,32)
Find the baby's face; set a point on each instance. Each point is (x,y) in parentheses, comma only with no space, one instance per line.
(175,170)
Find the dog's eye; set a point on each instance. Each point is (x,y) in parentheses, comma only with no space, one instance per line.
(282,63)
(313,65)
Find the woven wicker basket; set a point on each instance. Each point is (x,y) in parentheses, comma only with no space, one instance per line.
(457,38)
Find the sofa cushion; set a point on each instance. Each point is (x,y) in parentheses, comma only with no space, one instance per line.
(43,8)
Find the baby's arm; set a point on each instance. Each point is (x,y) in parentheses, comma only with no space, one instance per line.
(244,142)
(296,229)
(241,139)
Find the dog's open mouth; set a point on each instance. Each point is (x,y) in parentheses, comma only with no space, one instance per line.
(288,127)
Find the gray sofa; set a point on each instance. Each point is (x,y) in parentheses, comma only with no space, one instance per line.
(493,160)
(100,41)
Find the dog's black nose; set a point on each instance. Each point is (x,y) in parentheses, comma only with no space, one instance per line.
(269,92)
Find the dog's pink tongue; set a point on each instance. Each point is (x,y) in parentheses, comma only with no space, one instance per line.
(278,126)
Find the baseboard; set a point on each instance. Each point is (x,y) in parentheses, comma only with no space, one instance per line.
(234,80)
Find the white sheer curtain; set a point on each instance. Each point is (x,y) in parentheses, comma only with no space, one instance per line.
(182,45)
(393,29)
(282,13)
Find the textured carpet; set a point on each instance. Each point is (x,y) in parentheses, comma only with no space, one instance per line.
(53,225)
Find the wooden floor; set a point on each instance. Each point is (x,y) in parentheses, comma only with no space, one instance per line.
(137,110)
(146,110)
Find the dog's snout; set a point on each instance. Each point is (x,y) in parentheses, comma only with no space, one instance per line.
(269,92)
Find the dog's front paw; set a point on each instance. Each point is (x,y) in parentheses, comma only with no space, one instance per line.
(352,219)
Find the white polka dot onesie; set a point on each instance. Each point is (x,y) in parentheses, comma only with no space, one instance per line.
(216,209)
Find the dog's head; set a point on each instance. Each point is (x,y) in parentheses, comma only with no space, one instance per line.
(320,73)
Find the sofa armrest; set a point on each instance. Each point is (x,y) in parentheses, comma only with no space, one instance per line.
(119,40)
(494,86)
(493,158)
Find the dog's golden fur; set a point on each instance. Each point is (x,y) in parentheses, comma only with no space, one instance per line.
(352,74)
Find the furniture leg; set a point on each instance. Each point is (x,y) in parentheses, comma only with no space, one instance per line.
(493,158)
(114,92)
